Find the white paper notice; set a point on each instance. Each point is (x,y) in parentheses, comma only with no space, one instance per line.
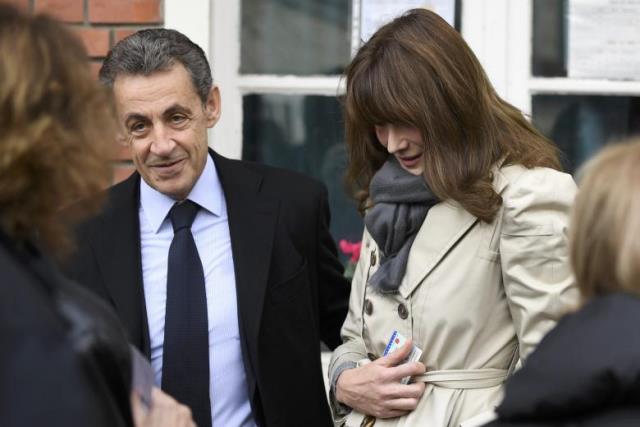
(375,13)
(604,39)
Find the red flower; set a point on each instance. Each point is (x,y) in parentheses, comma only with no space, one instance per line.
(351,248)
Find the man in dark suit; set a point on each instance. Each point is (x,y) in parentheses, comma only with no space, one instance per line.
(232,311)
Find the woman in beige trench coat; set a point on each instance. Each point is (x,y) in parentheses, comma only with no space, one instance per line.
(465,247)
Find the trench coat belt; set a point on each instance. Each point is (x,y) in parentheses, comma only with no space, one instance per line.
(464,378)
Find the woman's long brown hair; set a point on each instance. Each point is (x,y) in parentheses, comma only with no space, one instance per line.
(418,71)
(57,129)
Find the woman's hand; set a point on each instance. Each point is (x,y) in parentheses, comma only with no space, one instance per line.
(375,388)
(164,412)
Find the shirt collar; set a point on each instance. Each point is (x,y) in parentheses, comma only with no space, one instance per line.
(207,192)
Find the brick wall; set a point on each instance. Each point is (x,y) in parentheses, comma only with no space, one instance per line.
(100,24)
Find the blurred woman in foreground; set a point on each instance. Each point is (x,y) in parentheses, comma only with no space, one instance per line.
(586,371)
(65,360)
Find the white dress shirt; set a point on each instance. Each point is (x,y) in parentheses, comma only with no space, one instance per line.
(227,384)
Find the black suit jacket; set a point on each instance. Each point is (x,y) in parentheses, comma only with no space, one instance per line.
(290,289)
(584,373)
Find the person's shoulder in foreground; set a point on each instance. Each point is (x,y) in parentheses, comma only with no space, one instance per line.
(584,371)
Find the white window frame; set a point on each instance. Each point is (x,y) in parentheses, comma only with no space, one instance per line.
(501,34)
(498,31)
(220,38)
(215,26)
(522,85)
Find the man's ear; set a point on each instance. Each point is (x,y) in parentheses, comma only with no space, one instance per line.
(213,107)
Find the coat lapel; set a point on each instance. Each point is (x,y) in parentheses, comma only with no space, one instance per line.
(446,223)
(252,221)
(117,248)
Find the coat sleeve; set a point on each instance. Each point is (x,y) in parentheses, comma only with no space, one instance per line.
(47,385)
(534,253)
(44,381)
(352,350)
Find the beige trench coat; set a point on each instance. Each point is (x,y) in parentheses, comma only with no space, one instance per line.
(475,296)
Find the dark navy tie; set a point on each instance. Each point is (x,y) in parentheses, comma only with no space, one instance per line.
(185,361)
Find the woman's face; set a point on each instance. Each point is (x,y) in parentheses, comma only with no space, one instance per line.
(405,143)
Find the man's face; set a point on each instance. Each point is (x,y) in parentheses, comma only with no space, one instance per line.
(166,124)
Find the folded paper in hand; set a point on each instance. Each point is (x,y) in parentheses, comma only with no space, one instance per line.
(395,342)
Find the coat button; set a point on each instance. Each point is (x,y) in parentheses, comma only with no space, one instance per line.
(403,312)
(368,307)
(373,259)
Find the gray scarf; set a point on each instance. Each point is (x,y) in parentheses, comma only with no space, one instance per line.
(401,201)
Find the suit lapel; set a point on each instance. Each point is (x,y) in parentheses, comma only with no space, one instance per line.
(446,223)
(252,221)
(117,248)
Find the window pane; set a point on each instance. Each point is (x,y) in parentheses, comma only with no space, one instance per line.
(300,37)
(303,133)
(582,124)
(549,38)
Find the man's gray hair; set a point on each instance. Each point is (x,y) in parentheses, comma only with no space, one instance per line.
(149,51)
